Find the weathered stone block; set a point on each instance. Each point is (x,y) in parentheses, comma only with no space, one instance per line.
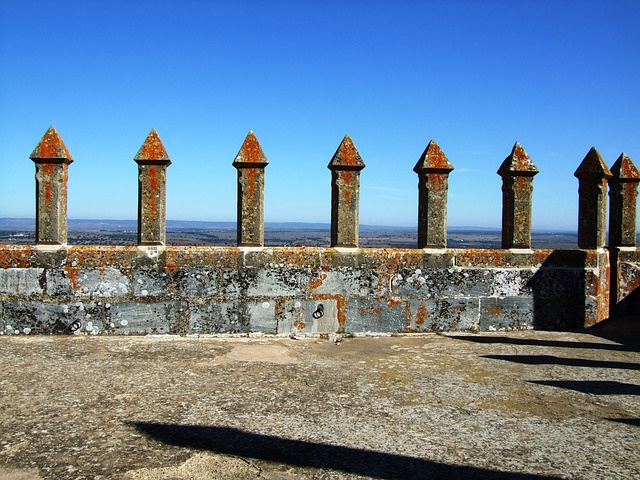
(217,317)
(146,318)
(262,316)
(373,315)
(345,282)
(21,281)
(99,282)
(451,282)
(267,282)
(233,317)
(509,313)
(195,282)
(46,318)
(559,313)
(512,282)
(558,283)
(439,315)
(57,282)
(628,289)
(150,282)
(307,316)
(236,282)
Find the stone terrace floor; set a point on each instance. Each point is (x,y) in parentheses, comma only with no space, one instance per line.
(521,405)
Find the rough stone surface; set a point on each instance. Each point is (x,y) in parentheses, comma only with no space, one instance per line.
(146,318)
(433,170)
(52,160)
(152,160)
(21,281)
(345,169)
(211,290)
(250,163)
(623,197)
(592,176)
(517,172)
(517,405)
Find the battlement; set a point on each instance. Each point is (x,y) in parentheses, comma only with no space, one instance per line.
(52,287)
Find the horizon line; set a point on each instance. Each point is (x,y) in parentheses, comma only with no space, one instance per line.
(327,224)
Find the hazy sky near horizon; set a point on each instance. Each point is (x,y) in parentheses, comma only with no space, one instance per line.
(476,76)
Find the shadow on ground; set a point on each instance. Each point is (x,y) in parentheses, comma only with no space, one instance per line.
(624,331)
(231,441)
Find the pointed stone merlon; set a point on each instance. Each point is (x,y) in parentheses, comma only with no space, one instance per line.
(433,170)
(592,175)
(517,172)
(52,160)
(345,169)
(250,163)
(152,160)
(623,197)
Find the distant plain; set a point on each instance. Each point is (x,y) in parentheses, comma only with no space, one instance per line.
(123,232)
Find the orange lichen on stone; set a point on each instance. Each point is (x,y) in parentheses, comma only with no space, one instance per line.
(341,307)
(421,315)
(152,150)
(47,171)
(51,147)
(518,163)
(317,283)
(250,154)
(392,302)
(432,160)
(72,274)
(15,256)
(346,157)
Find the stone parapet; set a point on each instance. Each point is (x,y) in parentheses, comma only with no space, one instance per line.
(303,290)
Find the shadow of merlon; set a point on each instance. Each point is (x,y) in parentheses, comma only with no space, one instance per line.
(569,362)
(230,441)
(593,387)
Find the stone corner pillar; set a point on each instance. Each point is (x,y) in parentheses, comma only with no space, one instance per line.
(152,160)
(345,169)
(52,160)
(433,170)
(592,175)
(517,172)
(250,163)
(623,196)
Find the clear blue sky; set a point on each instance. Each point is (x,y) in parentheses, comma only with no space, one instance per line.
(476,76)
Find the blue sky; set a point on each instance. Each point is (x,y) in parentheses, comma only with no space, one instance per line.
(476,76)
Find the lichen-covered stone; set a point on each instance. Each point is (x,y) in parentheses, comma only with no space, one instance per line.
(364,315)
(146,318)
(21,281)
(151,282)
(195,282)
(506,313)
(307,316)
(33,317)
(227,290)
(444,315)
(152,160)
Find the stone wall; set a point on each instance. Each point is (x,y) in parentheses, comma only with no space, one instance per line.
(55,288)
(209,290)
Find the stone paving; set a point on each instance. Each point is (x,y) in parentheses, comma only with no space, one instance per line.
(523,405)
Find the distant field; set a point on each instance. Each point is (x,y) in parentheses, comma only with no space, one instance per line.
(110,232)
